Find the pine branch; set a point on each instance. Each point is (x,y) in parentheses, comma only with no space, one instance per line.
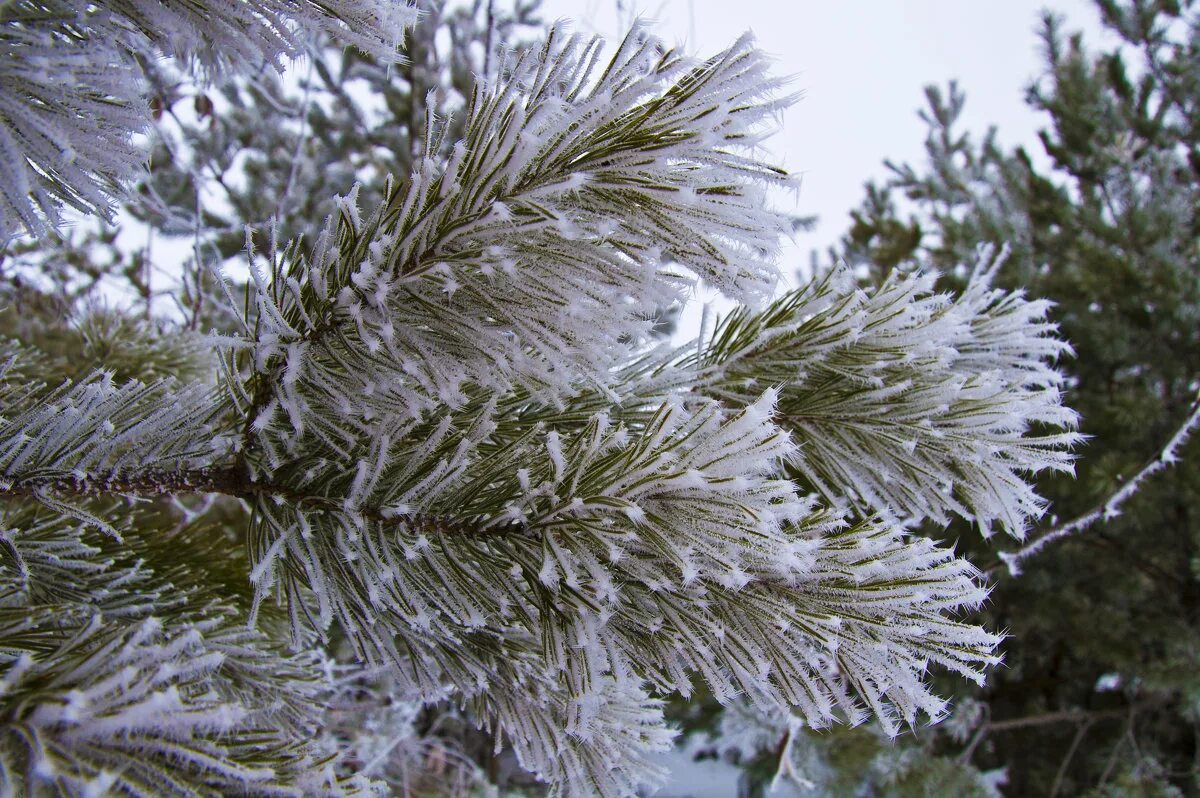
(233,482)
(660,548)
(69,103)
(915,403)
(463,463)
(534,257)
(657,550)
(98,427)
(112,679)
(72,82)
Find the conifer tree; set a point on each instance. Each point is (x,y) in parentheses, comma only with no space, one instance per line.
(467,472)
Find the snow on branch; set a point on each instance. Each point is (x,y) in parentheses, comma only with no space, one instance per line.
(462,459)
(248,34)
(69,103)
(139,710)
(534,257)
(908,401)
(894,617)
(622,556)
(687,491)
(462,473)
(90,437)
(72,85)
(610,756)
(116,681)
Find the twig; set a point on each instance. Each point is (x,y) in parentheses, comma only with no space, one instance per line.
(301,138)
(1081,716)
(487,44)
(197,253)
(1112,757)
(1111,507)
(977,737)
(1112,760)
(1050,718)
(785,768)
(1066,763)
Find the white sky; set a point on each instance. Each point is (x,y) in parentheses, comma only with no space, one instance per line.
(862,66)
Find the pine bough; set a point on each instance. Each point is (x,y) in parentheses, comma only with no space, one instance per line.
(465,461)
(72,88)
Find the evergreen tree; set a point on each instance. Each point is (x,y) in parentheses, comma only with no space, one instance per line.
(433,454)
(1097,694)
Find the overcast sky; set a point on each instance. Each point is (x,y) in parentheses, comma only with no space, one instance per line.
(862,66)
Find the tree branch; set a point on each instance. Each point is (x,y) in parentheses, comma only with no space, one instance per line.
(1111,506)
(1079,716)
(236,483)
(1061,774)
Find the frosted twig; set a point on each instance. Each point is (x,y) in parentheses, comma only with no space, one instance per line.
(229,481)
(786,769)
(301,137)
(1111,507)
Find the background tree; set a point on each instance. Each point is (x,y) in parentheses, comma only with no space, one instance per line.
(260,148)
(73,82)
(1097,693)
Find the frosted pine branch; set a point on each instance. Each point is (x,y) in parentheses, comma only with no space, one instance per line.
(114,680)
(139,710)
(69,104)
(656,552)
(904,400)
(534,257)
(97,432)
(72,86)
(465,468)
(249,34)
(597,743)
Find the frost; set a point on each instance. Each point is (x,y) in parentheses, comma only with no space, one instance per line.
(72,88)
(899,391)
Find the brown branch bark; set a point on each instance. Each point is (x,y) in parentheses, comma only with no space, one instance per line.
(1065,716)
(1063,767)
(1082,717)
(235,482)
